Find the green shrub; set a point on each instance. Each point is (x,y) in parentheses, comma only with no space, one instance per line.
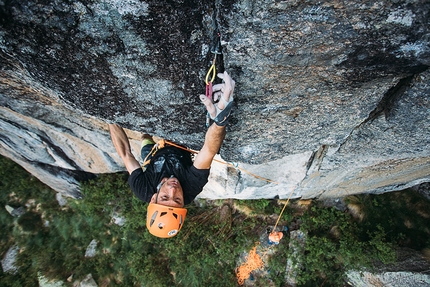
(334,245)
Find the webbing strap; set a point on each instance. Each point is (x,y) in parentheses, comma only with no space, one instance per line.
(161,144)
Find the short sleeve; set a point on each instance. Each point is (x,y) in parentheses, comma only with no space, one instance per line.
(140,185)
(196,180)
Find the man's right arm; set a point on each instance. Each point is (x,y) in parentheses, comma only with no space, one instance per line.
(216,132)
(122,146)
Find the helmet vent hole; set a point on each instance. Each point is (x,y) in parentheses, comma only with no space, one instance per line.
(163,213)
(175,215)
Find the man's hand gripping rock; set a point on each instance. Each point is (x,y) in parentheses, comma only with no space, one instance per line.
(219,110)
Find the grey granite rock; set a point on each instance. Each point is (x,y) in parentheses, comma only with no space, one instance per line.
(332,97)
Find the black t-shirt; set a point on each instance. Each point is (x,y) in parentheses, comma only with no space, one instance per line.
(165,163)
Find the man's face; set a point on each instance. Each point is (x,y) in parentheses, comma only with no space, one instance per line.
(170,193)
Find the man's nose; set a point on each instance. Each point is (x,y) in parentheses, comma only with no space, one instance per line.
(171,189)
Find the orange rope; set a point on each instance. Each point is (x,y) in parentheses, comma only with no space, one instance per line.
(179,146)
(253,262)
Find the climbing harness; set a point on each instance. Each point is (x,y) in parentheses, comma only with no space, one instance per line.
(161,144)
(211,74)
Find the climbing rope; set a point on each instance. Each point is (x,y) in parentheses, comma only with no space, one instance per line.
(164,142)
(282,211)
(253,262)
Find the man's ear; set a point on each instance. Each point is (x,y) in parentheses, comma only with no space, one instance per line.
(153,198)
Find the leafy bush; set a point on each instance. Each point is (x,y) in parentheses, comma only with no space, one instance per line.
(334,246)
(404,214)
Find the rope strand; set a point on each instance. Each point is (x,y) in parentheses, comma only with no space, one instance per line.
(282,211)
(241,169)
(253,262)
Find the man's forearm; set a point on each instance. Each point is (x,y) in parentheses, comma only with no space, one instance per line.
(119,140)
(122,147)
(213,141)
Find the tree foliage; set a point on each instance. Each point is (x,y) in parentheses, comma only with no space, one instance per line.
(334,245)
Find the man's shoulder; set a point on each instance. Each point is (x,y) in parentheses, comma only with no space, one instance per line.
(141,185)
(198,171)
(137,172)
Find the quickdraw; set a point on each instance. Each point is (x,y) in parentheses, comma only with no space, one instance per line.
(212,70)
(211,74)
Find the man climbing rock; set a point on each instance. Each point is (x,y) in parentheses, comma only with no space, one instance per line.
(171,179)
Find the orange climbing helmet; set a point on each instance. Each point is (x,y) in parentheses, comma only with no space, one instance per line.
(164,221)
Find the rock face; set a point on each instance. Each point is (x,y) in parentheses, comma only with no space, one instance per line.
(395,279)
(332,97)
(410,269)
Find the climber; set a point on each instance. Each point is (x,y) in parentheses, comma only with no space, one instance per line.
(171,179)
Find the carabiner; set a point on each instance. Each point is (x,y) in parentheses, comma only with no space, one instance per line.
(212,70)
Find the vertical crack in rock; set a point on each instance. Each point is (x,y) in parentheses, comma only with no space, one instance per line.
(387,102)
(236,179)
(217,36)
